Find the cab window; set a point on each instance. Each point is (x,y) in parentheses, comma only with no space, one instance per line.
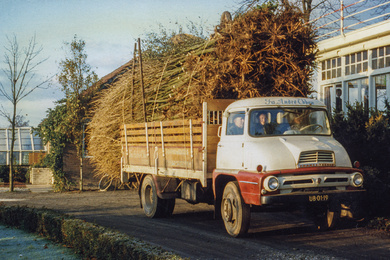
(235,124)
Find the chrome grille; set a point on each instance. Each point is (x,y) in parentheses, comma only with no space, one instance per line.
(316,158)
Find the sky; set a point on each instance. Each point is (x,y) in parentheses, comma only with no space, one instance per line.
(109,29)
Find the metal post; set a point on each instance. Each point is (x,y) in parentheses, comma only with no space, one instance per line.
(162,144)
(342,17)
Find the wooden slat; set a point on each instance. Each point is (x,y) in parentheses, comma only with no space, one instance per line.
(167,139)
(172,123)
(176,130)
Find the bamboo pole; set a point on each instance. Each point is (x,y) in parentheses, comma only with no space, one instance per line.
(142,78)
(132,80)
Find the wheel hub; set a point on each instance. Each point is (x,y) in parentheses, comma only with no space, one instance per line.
(228,210)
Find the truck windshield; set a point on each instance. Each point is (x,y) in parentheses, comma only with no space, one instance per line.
(289,121)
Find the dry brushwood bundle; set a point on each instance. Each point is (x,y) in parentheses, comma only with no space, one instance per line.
(121,102)
(260,53)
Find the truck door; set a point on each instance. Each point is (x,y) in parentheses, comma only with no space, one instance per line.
(230,154)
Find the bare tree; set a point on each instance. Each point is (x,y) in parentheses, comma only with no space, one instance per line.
(20,67)
(306,6)
(313,9)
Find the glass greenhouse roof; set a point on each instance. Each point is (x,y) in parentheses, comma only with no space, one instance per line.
(26,141)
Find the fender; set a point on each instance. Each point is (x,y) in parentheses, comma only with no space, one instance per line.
(249,183)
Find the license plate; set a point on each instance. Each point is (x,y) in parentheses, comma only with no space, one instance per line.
(315,198)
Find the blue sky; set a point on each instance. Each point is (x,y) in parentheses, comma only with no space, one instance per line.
(109,29)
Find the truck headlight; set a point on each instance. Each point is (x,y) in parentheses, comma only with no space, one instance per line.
(271,183)
(357,179)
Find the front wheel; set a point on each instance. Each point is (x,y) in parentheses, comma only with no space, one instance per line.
(154,207)
(236,214)
(325,218)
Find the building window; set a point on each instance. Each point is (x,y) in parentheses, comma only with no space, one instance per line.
(356,63)
(380,92)
(3,158)
(358,92)
(381,57)
(331,68)
(25,158)
(327,98)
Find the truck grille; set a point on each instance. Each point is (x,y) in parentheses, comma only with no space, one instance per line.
(316,158)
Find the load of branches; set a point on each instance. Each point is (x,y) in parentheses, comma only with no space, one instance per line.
(263,52)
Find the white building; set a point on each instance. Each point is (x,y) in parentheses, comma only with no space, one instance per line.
(355,67)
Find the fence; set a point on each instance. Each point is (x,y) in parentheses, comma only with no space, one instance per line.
(349,17)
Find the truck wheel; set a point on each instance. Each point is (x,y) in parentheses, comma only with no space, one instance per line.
(326,219)
(153,206)
(236,214)
(151,203)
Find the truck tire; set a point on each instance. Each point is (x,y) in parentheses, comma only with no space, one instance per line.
(236,214)
(154,207)
(325,219)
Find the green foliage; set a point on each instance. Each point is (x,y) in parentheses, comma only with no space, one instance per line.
(90,240)
(157,45)
(76,78)
(365,134)
(64,123)
(53,129)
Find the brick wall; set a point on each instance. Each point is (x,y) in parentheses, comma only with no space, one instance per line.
(72,169)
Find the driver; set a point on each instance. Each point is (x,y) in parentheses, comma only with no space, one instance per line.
(261,127)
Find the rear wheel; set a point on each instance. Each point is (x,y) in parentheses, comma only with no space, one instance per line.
(154,207)
(235,213)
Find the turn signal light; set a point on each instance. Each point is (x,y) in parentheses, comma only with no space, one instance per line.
(259,168)
(356,164)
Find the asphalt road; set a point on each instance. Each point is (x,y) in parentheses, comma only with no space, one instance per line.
(192,232)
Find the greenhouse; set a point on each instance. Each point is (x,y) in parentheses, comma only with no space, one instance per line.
(28,146)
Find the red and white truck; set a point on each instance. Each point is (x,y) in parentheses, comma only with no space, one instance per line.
(257,152)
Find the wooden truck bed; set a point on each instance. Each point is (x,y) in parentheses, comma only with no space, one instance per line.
(178,148)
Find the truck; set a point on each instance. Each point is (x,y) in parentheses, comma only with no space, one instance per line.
(262,153)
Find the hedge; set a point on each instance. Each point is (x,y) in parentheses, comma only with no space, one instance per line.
(90,240)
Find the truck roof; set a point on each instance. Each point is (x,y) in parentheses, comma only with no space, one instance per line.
(276,102)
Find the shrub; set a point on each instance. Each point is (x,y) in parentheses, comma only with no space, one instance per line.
(365,134)
(4,173)
(20,173)
(90,240)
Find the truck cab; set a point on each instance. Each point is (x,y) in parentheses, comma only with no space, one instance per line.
(280,151)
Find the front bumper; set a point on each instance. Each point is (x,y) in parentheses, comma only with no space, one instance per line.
(313,197)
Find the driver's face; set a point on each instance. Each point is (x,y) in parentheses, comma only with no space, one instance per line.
(239,122)
(262,118)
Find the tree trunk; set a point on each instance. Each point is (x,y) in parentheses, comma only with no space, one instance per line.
(81,173)
(11,163)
